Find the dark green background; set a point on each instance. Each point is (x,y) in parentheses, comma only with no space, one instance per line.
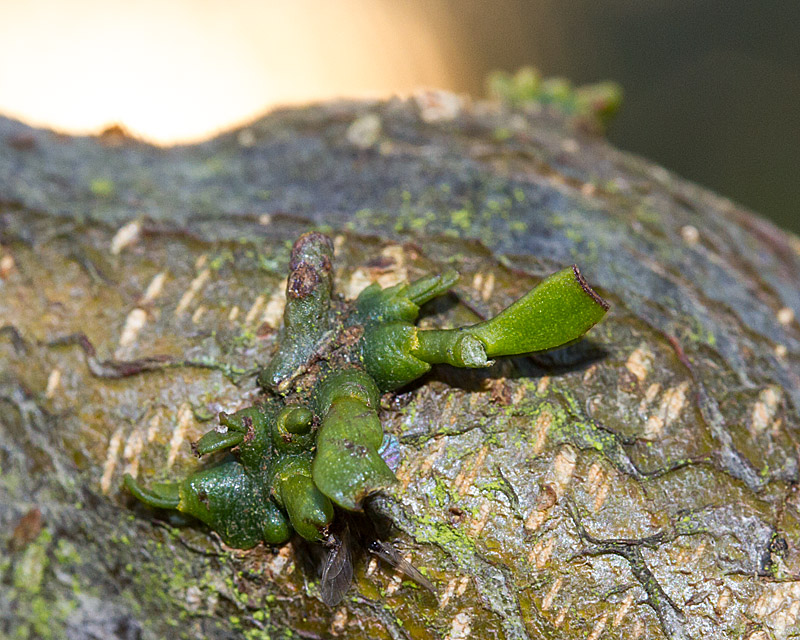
(712,87)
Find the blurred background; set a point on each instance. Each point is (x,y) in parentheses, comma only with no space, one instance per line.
(712,87)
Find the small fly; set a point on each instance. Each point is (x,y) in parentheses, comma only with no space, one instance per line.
(337,565)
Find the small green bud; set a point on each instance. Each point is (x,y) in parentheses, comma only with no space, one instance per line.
(255,425)
(601,101)
(346,383)
(401,302)
(217,440)
(292,430)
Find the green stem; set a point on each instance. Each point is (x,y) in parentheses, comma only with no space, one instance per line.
(309,511)
(162,496)
(347,466)
(456,347)
(306,316)
(558,311)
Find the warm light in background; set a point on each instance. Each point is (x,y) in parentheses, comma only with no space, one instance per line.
(181,70)
(710,94)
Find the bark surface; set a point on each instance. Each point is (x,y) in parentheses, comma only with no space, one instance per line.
(639,484)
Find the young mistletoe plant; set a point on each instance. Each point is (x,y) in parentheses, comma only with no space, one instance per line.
(312,441)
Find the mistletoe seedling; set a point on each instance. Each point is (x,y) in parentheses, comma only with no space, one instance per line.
(312,440)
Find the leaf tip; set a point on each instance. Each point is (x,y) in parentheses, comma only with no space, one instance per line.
(588,289)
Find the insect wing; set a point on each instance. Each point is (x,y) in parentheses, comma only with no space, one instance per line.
(337,570)
(389,554)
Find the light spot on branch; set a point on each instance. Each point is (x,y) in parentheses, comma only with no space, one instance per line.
(436,105)
(194,288)
(255,309)
(672,403)
(134,323)
(131,453)
(484,286)
(274,311)
(53,382)
(541,553)
(279,561)
(599,626)
(619,616)
(339,621)
(640,363)
(690,235)
(460,629)
(563,468)
(153,426)
(542,425)
(562,614)
(447,593)
(125,236)
(154,289)
(723,602)
(463,482)
(599,485)
(483,517)
(552,593)
(541,386)
(359,280)
(111,461)
(785,316)
(764,410)
(185,420)
(6,265)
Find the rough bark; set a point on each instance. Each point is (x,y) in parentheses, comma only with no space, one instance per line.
(641,484)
